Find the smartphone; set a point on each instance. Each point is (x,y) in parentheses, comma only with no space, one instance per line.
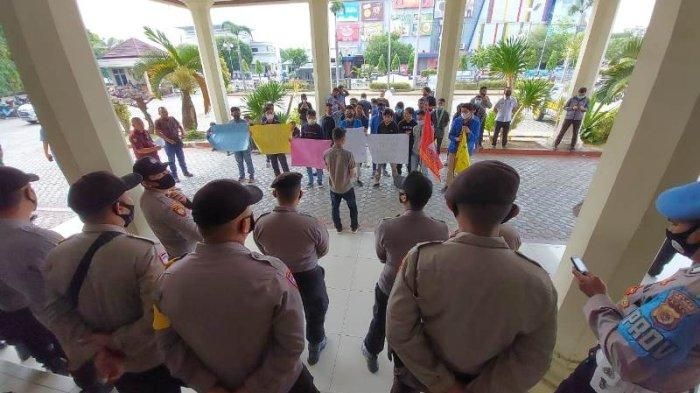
(579,265)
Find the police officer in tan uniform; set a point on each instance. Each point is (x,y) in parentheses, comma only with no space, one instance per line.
(229,319)
(470,314)
(100,289)
(298,240)
(166,209)
(394,237)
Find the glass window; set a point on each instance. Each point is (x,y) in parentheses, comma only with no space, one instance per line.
(120,77)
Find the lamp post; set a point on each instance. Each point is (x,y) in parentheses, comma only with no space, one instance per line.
(418,32)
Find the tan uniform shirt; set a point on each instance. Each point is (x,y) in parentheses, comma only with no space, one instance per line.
(394,237)
(340,164)
(116,296)
(231,317)
(170,221)
(297,239)
(473,306)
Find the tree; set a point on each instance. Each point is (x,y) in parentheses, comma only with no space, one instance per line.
(463,63)
(508,59)
(182,67)
(560,35)
(553,61)
(99,45)
(616,76)
(259,68)
(337,7)
(297,56)
(238,31)
(228,48)
(481,57)
(381,64)
(245,67)
(395,63)
(136,97)
(10,82)
(580,7)
(618,42)
(378,46)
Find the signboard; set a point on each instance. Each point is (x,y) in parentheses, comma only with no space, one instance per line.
(389,148)
(401,24)
(272,138)
(309,152)
(372,11)
(230,137)
(351,12)
(370,29)
(356,143)
(398,4)
(347,31)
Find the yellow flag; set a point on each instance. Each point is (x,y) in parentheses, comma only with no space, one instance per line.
(462,161)
(272,138)
(160,320)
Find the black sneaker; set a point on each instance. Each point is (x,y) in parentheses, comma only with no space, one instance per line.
(359,183)
(354,230)
(372,363)
(187,174)
(315,351)
(340,230)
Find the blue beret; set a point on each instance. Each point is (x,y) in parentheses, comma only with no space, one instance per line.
(680,203)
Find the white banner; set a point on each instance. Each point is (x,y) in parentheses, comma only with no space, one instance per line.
(356,143)
(389,148)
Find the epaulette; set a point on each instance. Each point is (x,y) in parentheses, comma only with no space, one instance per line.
(263,215)
(172,261)
(520,254)
(150,241)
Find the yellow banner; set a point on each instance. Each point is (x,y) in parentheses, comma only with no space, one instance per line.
(272,138)
(462,161)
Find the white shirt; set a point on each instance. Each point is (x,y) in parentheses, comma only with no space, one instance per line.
(505,107)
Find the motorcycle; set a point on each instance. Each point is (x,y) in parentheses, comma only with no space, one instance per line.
(7,111)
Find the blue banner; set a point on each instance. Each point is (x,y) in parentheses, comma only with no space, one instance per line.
(350,12)
(231,137)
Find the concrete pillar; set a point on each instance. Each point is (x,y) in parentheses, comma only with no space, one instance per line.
(594,44)
(49,45)
(619,231)
(211,64)
(449,50)
(320,51)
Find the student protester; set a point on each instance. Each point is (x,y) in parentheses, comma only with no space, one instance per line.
(392,242)
(505,107)
(299,240)
(466,125)
(328,123)
(141,142)
(275,159)
(312,130)
(366,105)
(170,130)
(575,108)
(398,112)
(649,341)
(341,171)
(444,340)
(243,158)
(353,102)
(406,126)
(303,109)
(441,119)
(336,100)
(377,118)
(349,121)
(360,115)
(417,134)
(344,93)
(387,126)
(483,102)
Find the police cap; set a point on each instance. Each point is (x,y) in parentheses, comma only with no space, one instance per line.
(287,180)
(12,179)
(221,201)
(680,203)
(486,182)
(149,166)
(97,190)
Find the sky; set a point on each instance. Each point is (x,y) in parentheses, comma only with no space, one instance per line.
(286,26)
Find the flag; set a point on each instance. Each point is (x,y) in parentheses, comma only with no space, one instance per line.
(429,154)
(462,161)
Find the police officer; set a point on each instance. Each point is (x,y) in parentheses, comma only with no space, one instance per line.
(394,237)
(166,209)
(650,340)
(23,249)
(101,284)
(470,313)
(298,240)
(229,319)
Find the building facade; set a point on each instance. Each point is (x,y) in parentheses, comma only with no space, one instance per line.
(117,64)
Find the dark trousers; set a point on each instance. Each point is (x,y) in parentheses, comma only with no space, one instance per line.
(173,151)
(305,383)
(352,205)
(666,253)
(580,380)
(574,134)
(312,288)
(501,125)
(374,340)
(276,160)
(21,328)
(438,143)
(406,382)
(482,120)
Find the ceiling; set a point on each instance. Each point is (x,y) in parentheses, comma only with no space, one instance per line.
(232,3)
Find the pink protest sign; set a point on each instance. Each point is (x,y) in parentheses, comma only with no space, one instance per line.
(309,152)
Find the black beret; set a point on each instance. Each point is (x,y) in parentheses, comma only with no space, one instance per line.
(222,201)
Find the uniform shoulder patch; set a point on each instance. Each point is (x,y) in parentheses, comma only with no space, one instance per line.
(172,261)
(532,261)
(178,208)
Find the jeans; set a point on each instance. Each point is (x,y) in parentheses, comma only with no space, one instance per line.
(276,160)
(574,135)
(312,288)
(352,205)
(501,125)
(318,174)
(374,340)
(241,158)
(173,151)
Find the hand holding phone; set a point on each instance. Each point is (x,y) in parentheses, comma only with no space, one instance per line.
(579,265)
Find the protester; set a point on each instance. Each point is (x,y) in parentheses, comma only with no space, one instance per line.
(170,130)
(398,112)
(366,105)
(406,126)
(343,94)
(575,108)
(243,158)
(141,141)
(441,119)
(505,107)
(429,97)
(328,123)
(377,117)
(350,121)
(336,100)
(464,126)
(303,109)
(416,135)
(387,126)
(648,342)
(483,102)
(341,171)
(275,159)
(312,130)
(457,319)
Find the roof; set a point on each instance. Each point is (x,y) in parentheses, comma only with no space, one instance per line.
(130,48)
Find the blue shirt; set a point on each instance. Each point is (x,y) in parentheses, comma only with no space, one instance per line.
(456,129)
(356,123)
(374,122)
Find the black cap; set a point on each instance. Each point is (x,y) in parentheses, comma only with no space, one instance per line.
(287,180)
(221,201)
(12,179)
(486,182)
(149,166)
(98,190)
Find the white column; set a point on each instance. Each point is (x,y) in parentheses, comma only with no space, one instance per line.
(449,50)
(49,45)
(320,51)
(211,64)
(619,231)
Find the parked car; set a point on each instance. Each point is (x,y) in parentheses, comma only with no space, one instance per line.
(26,113)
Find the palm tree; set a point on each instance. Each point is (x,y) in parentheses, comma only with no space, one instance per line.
(337,7)
(508,59)
(532,94)
(259,68)
(238,31)
(580,7)
(616,77)
(182,67)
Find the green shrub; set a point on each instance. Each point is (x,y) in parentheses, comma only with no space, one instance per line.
(194,135)
(491,84)
(428,71)
(401,86)
(256,100)
(123,114)
(378,86)
(599,134)
(300,85)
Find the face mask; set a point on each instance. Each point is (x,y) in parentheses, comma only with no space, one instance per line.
(128,217)
(465,116)
(312,121)
(166,182)
(269,117)
(581,96)
(679,241)
(507,95)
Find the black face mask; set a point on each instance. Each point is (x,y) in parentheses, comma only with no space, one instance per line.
(166,182)
(128,217)
(679,241)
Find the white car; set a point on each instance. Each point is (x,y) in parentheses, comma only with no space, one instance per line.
(26,113)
